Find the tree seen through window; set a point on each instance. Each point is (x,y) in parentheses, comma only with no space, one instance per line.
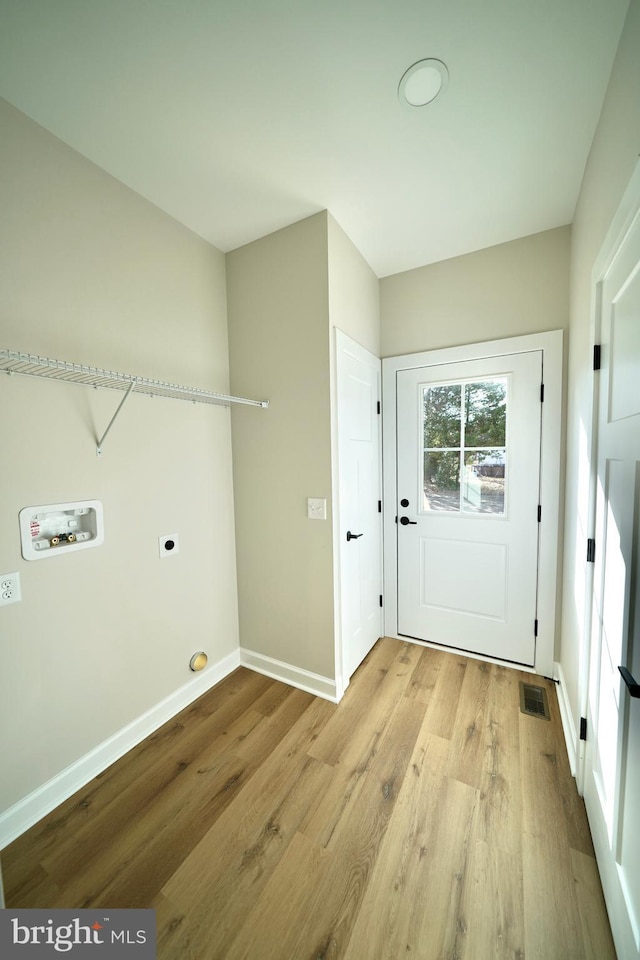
(464,428)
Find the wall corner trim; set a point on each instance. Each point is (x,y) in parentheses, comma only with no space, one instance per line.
(568,726)
(26,812)
(294,676)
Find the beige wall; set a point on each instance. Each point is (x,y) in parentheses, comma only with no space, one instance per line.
(509,290)
(612,160)
(91,272)
(354,291)
(285,292)
(277,291)
(504,291)
(354,309)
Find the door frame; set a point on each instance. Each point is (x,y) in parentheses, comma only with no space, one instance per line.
(342,341)
(622,220)
(621,926)
(550,344)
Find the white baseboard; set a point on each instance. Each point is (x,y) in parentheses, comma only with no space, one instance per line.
(568,726)
(36,805)
(295,676)
(46,798)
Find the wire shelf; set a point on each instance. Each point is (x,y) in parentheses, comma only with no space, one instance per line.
(29,365)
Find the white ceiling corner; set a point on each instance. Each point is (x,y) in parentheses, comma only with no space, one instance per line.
(240,118)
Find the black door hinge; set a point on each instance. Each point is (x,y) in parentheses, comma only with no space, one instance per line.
(583,728)
(378,407)
(591,551)
(539,512)
(379,506)
(597,352)
(542,393)
(380,599)
(535,628)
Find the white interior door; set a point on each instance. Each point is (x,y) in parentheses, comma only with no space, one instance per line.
(359,516)
(468,465)
(612,758)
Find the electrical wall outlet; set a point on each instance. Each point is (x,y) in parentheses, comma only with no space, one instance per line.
(9,588)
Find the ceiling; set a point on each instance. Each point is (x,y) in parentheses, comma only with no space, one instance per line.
(239,117)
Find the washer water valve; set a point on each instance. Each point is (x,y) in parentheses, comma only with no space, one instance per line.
(55,529)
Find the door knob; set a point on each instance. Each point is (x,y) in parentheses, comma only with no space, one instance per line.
(634,688)
(405,520)
(353,536)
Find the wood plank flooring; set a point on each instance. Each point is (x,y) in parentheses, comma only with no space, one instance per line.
(424,817)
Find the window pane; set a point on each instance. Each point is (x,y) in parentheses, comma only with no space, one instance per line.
(485,413)
(441,407)
(483,481)
(441,481)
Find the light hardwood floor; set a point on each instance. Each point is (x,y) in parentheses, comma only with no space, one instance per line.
(424,817)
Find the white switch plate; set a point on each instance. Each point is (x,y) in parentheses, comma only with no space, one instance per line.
(316,508)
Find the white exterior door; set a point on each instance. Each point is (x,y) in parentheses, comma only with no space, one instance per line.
(359,521)
(612,758)
(468,482)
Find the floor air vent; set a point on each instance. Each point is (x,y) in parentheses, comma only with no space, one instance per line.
(533,701)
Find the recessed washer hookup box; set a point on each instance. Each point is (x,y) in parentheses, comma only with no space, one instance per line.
(55,529)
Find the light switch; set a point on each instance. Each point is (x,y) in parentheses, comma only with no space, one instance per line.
(316,508)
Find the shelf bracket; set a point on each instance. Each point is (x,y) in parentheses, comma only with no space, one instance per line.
(114,418)
(31,365)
